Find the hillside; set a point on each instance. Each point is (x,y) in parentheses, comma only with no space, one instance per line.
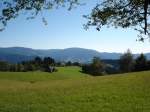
(17,54)
(68,90)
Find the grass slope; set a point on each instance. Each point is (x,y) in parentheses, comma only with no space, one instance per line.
(71,91)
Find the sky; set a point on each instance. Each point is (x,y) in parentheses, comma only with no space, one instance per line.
(65,30)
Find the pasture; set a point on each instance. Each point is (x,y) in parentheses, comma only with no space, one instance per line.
(69,90)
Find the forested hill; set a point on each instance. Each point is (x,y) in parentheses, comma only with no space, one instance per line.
(17,54)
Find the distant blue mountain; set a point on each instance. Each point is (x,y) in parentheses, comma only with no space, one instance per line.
(18,54)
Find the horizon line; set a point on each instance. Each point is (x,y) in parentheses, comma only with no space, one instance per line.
(73,47)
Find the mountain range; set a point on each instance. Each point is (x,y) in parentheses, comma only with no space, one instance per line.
(18,54)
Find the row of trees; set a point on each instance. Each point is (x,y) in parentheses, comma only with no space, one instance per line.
(127,63)
(68,63)
(98,67)
(46,64)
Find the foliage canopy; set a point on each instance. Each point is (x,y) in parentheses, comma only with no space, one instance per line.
(121,13)
(118,13)
(12,8)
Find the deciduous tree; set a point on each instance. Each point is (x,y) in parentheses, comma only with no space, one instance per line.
(121,13)
(12,8)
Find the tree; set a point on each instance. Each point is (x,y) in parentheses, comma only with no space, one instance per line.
(76,64)
(48,61)
(38,60)
(11,8)
(121,13)
(141,63)
(126,62)
(20,67)
(69,63)
(12,68)
(48,64)
(4,66)
(148,65)
(96,68)
(28,66)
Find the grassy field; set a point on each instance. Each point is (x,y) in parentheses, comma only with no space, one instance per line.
(68,90)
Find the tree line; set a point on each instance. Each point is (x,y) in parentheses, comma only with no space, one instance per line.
(46,64)
(98,67)
(127,63)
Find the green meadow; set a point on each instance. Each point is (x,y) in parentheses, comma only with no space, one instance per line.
(69,90)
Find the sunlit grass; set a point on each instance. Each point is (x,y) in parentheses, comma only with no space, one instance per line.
(68,90)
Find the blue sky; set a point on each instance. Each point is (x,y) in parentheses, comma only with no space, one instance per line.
(65,29)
